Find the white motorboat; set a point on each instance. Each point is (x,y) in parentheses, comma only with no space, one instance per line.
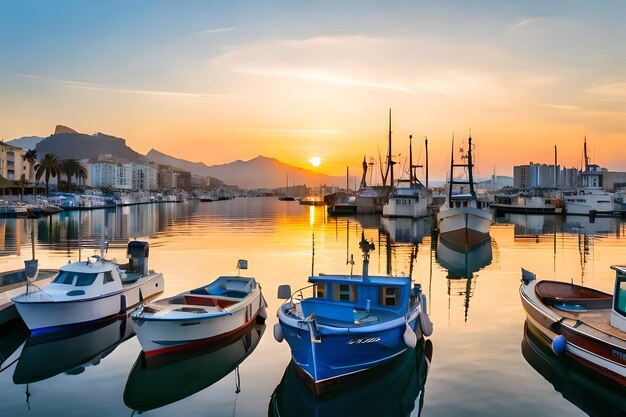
(14,283)
(590,198)
(86,292)
(201,315)
(464,220)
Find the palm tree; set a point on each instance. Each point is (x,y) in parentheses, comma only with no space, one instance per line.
(47,167)
(72,167)
(31,157)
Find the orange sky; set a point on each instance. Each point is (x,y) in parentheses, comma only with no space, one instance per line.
(292,81)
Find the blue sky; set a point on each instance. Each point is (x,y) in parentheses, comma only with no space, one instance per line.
(215,81)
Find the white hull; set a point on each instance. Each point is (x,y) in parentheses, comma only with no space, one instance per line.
(588,204)
(455,219)
(8,311)
(161,334)
(40,313)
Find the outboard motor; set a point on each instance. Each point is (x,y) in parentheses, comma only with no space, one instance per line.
(137,255)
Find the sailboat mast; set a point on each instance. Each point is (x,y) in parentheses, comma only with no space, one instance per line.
(389,161)
(411,161)
(426,141)
(470,167)
(586,157)
(451,174)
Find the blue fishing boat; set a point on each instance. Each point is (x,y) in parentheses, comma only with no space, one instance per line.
(350,324)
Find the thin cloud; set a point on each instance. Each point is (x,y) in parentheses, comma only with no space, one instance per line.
(614,91)
(559,106)
(82,85)
(215,30)
(300,132)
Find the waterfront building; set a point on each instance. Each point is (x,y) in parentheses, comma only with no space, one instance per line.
(12,163)
(121,176)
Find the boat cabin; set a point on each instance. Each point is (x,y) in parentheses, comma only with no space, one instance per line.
(345,298)
(618,313)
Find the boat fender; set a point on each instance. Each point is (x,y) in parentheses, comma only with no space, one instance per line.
(559,345)
(426,324)
(410,338)
(424,307)
(278,333)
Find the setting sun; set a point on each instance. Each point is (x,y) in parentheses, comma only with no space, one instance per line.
(315,161)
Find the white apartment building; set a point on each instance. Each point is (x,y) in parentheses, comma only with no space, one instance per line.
(12,163)
(129,176)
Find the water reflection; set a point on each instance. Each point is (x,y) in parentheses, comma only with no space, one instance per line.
(407,230)
(396,391)
(592,393)
(160,380)
(13,334)
(71,352)
(535,225)
(461,266)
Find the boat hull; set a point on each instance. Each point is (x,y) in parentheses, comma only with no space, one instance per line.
(43,315)
(162,335)
(343,351)
(603,353)
(464,227)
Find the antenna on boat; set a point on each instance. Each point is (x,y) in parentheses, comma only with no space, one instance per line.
(313,255)
(366,247)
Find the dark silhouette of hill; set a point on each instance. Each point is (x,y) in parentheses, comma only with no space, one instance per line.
(260,172)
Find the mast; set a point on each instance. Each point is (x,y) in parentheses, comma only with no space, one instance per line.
(411,161)
(426,140)
(586,157)
(389,161)
(347,178)
(470,167)
(451,174)
(556,170)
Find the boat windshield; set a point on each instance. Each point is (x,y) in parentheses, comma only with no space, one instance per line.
(75,278)
(620,294)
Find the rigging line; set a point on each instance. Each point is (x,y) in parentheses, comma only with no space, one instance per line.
(237,388)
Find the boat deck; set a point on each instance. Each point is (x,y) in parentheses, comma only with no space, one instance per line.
(596,319)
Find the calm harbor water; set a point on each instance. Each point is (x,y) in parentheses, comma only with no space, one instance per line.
(479,361)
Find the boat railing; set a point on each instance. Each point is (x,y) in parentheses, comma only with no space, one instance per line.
(295,296)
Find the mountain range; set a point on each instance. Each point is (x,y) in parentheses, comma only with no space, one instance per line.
(259,172)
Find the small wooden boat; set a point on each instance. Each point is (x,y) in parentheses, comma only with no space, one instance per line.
(86,292)
(351,324)
(204,314)
(586,324)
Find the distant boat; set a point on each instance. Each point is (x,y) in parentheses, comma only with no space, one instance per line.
(287,198)
(590,198)
(352,323)
(313,200)
(86,292)
(161,380)
(409,198)
(464,220)
(204,314)
(583,323)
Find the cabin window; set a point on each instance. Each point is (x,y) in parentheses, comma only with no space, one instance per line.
(389,296)
(85,280)
(321,290)
(107,277)
(65,277)
(620,295)
(398,201)
(345,292)
(465,204)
